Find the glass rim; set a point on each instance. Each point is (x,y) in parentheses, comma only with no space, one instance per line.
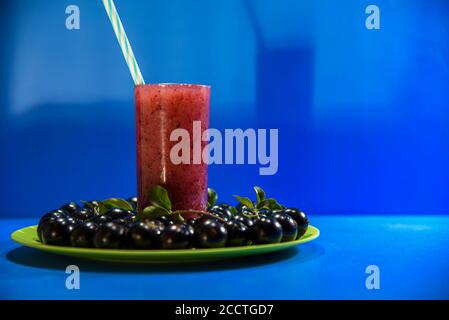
(170,84)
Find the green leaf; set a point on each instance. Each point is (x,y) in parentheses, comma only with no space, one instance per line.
(250,215)
(245,201)
(270,204)
(233,210)
(211,197)
(152,212)
(260,194)
(117,203)
(88,204)
(102,208)
(263,205)
(159,196)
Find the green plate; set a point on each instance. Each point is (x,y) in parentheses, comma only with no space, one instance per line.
(28,237)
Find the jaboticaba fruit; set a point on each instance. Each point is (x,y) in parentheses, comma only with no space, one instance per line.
(210,233)
(82,234)
(238,233)
(300,218)
(289,226)
(55,232)
(110,235)
(145,235)
(177,236)
(267,230)
(70,207)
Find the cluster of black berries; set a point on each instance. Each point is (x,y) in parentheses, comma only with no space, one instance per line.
(118,228)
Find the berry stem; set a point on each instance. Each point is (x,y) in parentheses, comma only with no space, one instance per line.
(181,212)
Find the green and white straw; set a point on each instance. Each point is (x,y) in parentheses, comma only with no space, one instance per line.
(123,41)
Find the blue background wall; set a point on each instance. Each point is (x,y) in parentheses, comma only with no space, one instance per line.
(363,115)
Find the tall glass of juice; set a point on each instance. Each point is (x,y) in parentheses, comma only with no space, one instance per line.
(161,109)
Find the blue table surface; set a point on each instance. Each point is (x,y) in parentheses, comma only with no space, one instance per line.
(411,252)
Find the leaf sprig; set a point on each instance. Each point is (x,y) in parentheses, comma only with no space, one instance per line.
(160,205)
(261,203)
(101,207)
(211,197)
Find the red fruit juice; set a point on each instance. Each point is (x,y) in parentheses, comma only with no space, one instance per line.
(160,109)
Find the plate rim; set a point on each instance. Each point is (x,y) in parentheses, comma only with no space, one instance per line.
(16,237)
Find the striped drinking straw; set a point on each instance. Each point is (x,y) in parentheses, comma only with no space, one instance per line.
(123,41)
